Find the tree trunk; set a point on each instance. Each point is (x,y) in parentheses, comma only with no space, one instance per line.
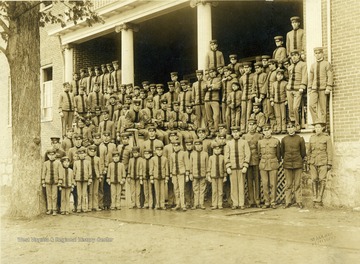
(23,52)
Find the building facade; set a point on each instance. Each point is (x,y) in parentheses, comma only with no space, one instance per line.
(150,39)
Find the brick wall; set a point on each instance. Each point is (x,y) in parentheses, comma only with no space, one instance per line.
(346,62)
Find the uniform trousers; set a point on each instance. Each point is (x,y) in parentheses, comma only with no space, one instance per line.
(318,173)
(317,105)
(94,194)
(51,196)
(179,188)
(101,193)
(294,101)
(199,185)
(237,186)
(159,186)
(253,183)
(217,191)
(268,110)
(189,194)
(82,195)
(212,109)
(234,115)
(148,195)
(293,181)
(135,192)
(246,109)
(280,115)
(269,183)
(115,189)
(201,114)
(67,120)
(65,199)
(224,112)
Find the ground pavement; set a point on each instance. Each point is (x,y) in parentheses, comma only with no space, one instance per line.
(199,236)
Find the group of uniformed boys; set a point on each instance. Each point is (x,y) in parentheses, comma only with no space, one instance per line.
(167,144)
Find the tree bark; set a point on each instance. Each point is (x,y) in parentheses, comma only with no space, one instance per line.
(23,53)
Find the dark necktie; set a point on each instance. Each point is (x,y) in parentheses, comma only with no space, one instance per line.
(82,170)
(135,168)
(151,113)
(93,167)
(257,86)
(112,112)
(147,168)
(199,163)
(165,115)
(159,167)
(122,152)
(69,100)
(136,119)
(177,163)
(217,167)
(97,150)
(116,172)
(184,99)
(105,125)
(247,86)
(66,177)
(278,92)
(51,172)
(295,38)
(317,75)
(237,154)
(214,56)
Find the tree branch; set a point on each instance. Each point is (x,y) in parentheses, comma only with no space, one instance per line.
(4,26)
(3,50)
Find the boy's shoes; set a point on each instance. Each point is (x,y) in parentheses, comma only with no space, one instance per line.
(273,206)
(62,213)
(67,213)
(220,207)
(265,206)
(213,207)
(242,207)
(184,209)
(78,211)
(48,212)
(54,213)
(97,209)
(193,208)
(202,207)
(233,207)
(113,208)
(163,208)
(287,206)
(175,208)
(300,205)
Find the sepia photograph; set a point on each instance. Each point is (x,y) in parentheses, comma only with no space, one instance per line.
(180,131)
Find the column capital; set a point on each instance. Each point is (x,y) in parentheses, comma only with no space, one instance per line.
(68,46)
(126,26)
(195,3)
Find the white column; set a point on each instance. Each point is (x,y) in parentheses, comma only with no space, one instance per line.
(127,51)
(313,31)
(204,32)
(68,63)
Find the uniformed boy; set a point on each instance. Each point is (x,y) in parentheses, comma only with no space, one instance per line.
(252,174)
(185,96)
(50,180)
(116,179)
(116,76)
(279,53)
(278,100)
(258,116)
(246,103)
(163,119)
(237,157)
(227,80)
(81,103)
(159,95)
(234,64)
(190,122)
(159,175)
(189,194)
(320,84)
(145,180)
(134,174)
(83,178)
(295,39)
(66,107)
(174,76)
(214,57)
(258,82)
(96,98)
(67,184)
(212,100)
(216,174)
(171,95)
(179,173)
(96,178)
(320,156)
(270,157)
(198,166)
(234,105)
(107,124)
(198,95)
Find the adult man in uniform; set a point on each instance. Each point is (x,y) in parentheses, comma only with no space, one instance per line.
(319,154)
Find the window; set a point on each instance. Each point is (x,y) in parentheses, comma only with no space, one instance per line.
(46,94)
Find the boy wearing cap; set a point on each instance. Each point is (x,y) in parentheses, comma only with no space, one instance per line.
(298,80)
(198,95)
(116,76)
(214,57)
(67,184)
(252,174)
(116,179)
(95,98)
(80,128)
(171,95)
(74,86)
(97,118)
(89,84)
(179,174)
(81,103)
(198,166)
(246,103)
(68,142)
(124,149)
(83,178)
(82,81)
(185,96)
(174,76)
(293,152)
(107,79)
(107,125)
(278,100)
(227,81)
(265,92)
(152,142)
(111,106)
(320,85)
(279,53)
(259,81)
(265,63)
(134,174)
(270,157)
(159,95)
(159,175)
(234,64)
(50,180)
(295,38)
(148,113)
(96,178)
(103,83)
(189,122)
(320,155)
(237,157)
(258,116)
(96,78)
(145,180)
(163,119)
(216,174)
(234,105)
(66,107)
(212,100)
(189,194)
